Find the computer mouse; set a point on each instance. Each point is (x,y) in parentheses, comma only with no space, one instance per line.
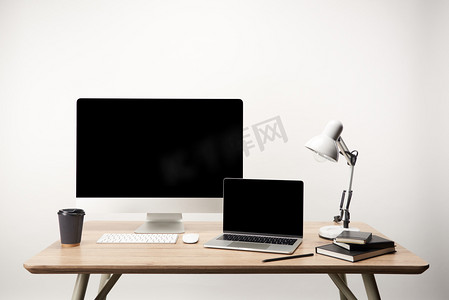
(190,238)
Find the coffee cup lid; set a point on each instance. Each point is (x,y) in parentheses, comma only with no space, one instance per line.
(71,212)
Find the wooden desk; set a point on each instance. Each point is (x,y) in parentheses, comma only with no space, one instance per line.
(179,258)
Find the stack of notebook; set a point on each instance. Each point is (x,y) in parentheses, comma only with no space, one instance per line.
(357,245)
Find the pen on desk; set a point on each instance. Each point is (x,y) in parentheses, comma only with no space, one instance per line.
(287,257)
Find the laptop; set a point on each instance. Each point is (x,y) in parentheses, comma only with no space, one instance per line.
(261,215)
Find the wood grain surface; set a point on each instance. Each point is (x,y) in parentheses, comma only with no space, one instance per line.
(181,258)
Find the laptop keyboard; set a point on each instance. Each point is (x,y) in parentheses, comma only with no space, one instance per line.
(257,239)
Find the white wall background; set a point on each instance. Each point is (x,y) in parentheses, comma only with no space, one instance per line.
(381,67)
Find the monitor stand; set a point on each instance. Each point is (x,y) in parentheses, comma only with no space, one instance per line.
(162,223)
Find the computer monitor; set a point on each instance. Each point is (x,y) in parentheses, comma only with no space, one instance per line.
(163,157)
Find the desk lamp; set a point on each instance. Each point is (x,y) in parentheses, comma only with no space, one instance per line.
(328,145)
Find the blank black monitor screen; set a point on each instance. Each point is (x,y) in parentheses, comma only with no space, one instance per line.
(177,148)
(272,207)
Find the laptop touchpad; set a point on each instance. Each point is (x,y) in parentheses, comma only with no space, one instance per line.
(245,245)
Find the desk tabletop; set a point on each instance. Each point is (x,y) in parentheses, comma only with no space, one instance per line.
(181,258)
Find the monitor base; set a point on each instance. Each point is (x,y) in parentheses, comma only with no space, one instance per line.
(162,223)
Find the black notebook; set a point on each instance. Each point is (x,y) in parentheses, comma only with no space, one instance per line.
(376,242)
(354,237)
(352,256)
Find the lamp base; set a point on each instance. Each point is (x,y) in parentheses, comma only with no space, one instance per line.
(332,231)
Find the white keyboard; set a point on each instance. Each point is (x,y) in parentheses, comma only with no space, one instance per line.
(138,238)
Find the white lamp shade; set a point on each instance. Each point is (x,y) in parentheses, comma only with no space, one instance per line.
(325,144)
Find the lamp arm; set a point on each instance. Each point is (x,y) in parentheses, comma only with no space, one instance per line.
(345,202)
(346,215)
(351,158)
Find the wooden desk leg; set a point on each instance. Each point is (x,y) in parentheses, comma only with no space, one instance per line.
(80,287)
(108,286)
(342,286)
(103,279)
(371,286)
(343,278)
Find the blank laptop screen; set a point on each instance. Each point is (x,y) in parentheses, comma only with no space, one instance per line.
(272,207)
